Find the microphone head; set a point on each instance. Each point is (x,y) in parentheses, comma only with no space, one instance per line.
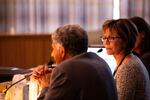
(100,50)
(50,62)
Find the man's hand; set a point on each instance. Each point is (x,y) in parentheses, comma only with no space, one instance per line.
(42,74)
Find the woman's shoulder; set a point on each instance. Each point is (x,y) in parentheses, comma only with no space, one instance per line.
(132,64)
(134,60)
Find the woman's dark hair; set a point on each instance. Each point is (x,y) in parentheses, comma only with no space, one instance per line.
(73,38)
(144,27)
(125,29)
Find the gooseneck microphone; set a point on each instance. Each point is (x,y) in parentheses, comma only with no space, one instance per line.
(100,50)
(17,82)
(50,65)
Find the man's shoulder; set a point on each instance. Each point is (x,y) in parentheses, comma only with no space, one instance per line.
(87,56)
(87,59)
(84,57)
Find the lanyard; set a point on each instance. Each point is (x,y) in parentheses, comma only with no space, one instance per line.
(120,63)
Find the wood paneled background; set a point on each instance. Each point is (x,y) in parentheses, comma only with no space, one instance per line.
(24,50)
(28,51)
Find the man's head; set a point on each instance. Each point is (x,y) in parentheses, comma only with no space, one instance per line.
(68,41)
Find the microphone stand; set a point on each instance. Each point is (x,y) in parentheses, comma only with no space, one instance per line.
(17,82)
(50,65)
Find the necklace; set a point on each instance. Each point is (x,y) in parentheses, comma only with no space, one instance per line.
(121,62)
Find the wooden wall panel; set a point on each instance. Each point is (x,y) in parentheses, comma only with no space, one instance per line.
(31,50)
(25,50)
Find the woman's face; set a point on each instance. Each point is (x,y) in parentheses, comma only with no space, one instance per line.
(139,41)
(113,43)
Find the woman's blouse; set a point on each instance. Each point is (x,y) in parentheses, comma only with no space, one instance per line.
(132,80)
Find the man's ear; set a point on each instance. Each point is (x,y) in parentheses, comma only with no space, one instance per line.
(62,51)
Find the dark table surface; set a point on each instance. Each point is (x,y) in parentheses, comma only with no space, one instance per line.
(6,73)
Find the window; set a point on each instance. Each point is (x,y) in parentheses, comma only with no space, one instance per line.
(43,16)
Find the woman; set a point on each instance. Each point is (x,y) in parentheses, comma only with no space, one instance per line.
(142,45)
(131,76)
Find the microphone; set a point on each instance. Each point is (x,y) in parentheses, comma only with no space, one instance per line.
(50,65)
(100,50)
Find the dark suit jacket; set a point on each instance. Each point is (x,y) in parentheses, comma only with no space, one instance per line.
(83,77)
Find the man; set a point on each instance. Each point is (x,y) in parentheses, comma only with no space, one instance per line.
(79,75)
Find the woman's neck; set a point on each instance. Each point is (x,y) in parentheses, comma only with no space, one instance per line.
(120,57)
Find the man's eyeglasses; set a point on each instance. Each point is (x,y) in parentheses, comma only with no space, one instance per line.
(109,38)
